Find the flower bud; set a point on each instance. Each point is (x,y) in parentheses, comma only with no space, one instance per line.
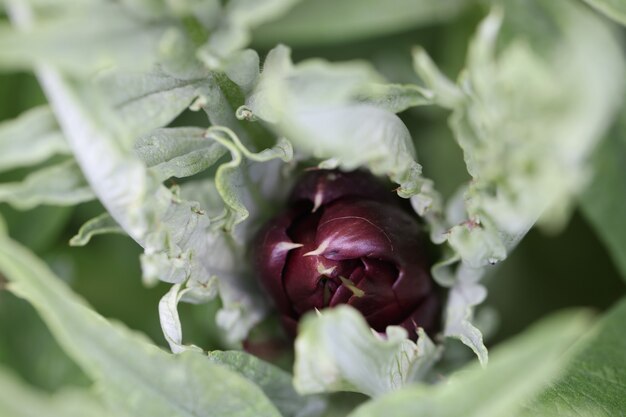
(344,238)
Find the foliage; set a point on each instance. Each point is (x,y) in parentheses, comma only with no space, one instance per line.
(161,124)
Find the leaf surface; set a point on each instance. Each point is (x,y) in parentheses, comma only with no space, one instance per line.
(518,371)
(604,201)
(593,382)
(337,351)
(135,377)
(30,139)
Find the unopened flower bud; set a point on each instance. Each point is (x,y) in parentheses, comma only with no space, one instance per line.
(345,239)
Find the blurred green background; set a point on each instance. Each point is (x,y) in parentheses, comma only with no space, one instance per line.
(545,273)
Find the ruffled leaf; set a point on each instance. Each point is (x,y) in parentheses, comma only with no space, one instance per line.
(315,104)
(337,351)
(61,184)
(99,225)
(534,359)
(146,101)
(230,177)
(30,139)
(396,97)
(511,190)
(133,375)
(179,241)
(526,135)
(109,36)
(168,313)
(20,400)
(274,382)
(238,18)
(178,152)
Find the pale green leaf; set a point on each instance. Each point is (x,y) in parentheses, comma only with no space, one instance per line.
(465,293)
(220,102)
(519,370)
(178,152)
(337,351)
(520,131)
(179,241)
(604,201)
(230,177)
(133,375)
(315,104)
(314,22)
(30,139)
(275,382)
(395,97)
(243,69)
(615,9)
(146,101)
(99,225)
(239,17)
(526,133)
(60,184)
(168,312)
(205,192)
(80,38)
(19,400)
(206,11)
(445,92)
(147,9)
(593,381)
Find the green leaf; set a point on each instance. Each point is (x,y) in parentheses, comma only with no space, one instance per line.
(593,381)
(146,101)
(239,17)
(148,9)
(168,311)
(615,9)
(80,38)
(604,201)
(19,400)
(465,293)
(526,134)
(230,176)
(133,375)
(179,240)
(30,139)
(395,97)
(519,370)
(337,351)
(275,382)
(315,104)
(502,103)
(314,22)
(178,152)
(61,184)
(99,225)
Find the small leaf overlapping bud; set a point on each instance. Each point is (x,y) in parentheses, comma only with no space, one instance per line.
(346,239)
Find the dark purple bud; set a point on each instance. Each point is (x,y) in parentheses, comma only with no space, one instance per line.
(346,239)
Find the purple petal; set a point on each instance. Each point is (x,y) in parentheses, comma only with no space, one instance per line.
(366,229)
(378,301)
(272,247)
(322,187)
